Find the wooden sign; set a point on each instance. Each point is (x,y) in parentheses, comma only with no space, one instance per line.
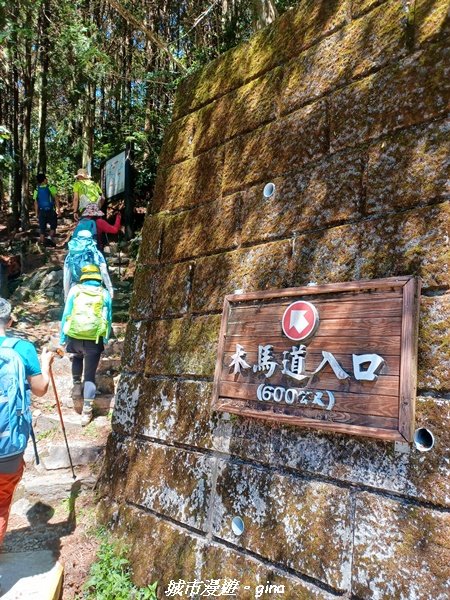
(339,357)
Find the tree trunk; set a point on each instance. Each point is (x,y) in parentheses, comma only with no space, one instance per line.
(16,153)
(264,12)
(88,126)
(43,101)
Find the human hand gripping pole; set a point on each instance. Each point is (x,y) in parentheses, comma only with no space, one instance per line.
(60,353)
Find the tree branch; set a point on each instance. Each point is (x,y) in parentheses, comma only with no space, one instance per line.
(153,37)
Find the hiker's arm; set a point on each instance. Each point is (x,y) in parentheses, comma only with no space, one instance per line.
(57,204)
(67,312)
(67,278)
(36,208)
(106,278)
(107,315)
(39,383)
(107,228)
(75,206)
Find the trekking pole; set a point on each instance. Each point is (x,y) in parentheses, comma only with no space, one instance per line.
(58,406)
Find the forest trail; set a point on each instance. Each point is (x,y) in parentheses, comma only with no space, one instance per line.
(53,516)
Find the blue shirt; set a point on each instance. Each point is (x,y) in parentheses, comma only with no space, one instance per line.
(28,354)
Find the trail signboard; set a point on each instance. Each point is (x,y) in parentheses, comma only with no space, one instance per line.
(339,357)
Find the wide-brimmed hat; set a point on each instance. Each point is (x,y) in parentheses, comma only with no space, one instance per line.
(90,272)
(92,210)
(82,174)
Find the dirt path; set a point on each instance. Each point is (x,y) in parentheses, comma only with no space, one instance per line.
(51,510)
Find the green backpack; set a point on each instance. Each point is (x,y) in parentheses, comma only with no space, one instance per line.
(86,321)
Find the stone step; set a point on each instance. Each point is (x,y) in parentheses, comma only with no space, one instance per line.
(55,456)
(51,422)
(35,575)
(102,404)
(115,260)
(50,488)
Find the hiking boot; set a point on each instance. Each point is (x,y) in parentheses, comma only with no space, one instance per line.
(50,243)
(86,415)
(77,390)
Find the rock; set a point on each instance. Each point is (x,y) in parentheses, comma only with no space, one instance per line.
(56,456)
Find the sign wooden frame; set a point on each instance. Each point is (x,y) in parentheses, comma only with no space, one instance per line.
(378,316)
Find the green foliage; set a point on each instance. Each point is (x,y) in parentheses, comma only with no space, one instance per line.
(110,576)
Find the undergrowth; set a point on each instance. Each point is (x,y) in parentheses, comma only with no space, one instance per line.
(110,575)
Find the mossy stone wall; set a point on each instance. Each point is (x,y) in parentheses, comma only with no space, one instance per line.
(344,105)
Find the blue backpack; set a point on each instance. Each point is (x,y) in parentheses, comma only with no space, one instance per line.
(44,198)
(15,413)
(82,251)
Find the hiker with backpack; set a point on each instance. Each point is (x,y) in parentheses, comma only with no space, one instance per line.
(85,327)
(46,205)
(91,220)
(20,372)
(83,251)
(85,192)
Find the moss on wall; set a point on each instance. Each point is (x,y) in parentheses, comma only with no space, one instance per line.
(344,105)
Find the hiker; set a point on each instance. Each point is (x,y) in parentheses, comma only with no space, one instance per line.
(85,327)
(83,251)
(20,372)
(85,192)
(92,221)
(45,198)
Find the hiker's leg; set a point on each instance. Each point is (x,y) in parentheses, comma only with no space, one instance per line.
(53,221)
(42,225)
(8,483)
(75,348)
(92,355)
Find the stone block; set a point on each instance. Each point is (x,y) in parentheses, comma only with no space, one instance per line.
(362,46)
(249,439)
(142,291)
(112,479)
(287,37)
(280,147)
(172,482)
(189,183)
(410,92)
(431,21)
(434,343)
(401,550)
(358,7)
(422,476)
(127,398)
(152,231)
(135,346)
(242,110)
(321,195)
(384,247)
(186,346)
(178,144)
(408,168)
(158,550)
(176,554)
(209,228)
(305,25)
(250,269)
(160,291)
(301,516)
(177,412)
(219,562)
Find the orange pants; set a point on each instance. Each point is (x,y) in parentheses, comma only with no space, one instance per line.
(8,484)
